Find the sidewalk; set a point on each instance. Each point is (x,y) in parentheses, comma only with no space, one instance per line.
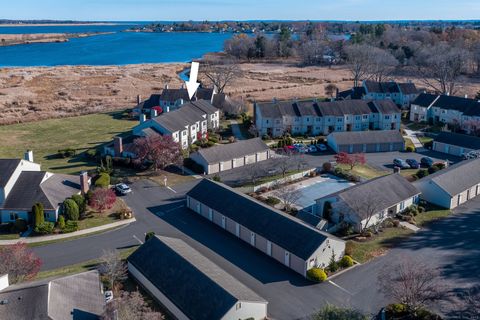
(68,235)
(412,135)
(409,226)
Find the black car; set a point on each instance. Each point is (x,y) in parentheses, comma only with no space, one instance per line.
(413,163)
(426,162)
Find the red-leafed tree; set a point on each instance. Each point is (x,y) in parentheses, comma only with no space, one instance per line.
(351,160)
(161,151)
(19,262)
(102,199)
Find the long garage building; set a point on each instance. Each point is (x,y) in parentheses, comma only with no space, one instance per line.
(228,156)
(280,236)
(455,144)
(452,186)
(366,141)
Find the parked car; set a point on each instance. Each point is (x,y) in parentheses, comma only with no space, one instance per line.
(321,147)
(471,155)
(312,148)
(402,164)
(426,162)
(108,296)
(413,163)
(122,189)
(300,147)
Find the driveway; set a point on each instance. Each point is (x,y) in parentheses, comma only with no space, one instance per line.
(450,244)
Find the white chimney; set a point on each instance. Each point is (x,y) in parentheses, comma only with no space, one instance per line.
(166,86)
(153,113)
(28,155)
(167,109)
(466,96)
(143,118)
(4,282)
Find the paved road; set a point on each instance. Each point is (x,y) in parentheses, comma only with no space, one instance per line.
(451,244)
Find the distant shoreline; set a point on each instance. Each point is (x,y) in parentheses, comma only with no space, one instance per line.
(59,24)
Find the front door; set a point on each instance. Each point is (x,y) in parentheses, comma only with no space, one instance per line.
(237,230)
(269,248)
(252,238)
(287,258)
(223,222)
(210,214)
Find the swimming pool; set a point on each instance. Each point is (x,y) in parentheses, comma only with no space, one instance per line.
(319,187)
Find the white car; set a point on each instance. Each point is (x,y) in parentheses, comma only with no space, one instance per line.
(122,189)
(108,296)
(321,147)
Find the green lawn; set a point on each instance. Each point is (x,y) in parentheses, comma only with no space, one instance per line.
(9,236)
(364,171)
(424,139)
(409,143)
(426,217)
(46,137)
(378,245)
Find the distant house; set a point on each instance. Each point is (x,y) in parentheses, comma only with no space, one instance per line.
(228,156)
(452,186)
(356,93)
(171,99)
(185,125)
(79,296)
(455,144)
(23,184)
(191,286)
(457,112)
(369,203)
(400,93)
(280,236)
(321,118)
(366,141)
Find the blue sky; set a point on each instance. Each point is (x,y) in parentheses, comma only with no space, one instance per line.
(240,9)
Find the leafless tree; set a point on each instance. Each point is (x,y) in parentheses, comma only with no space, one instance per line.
(476,56)
(128,306)
(312,51)
(221,74)
(367,207)
(469,304)
(298,161)
(441,66)
(112,267)
(234,107)
(284,163)
(331,90)
(288,195)
(382,64)
(411,282)
(254,172)
(359,61)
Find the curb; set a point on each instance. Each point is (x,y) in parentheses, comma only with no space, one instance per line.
(68,235)
(357,264)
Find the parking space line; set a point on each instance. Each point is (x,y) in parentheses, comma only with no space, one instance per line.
(135,237)
(171,189)
(343,289)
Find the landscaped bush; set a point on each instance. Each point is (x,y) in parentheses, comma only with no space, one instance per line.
(44,228)
(70,226)
(217,178)
(61,222)
(38,214)
(346,262)
(410,149)
(433,169)
(396,309)
(422,173)
(20,226)
(339,172)
(327,167)
(272,201)
(70,210)
(66,153)
(317,275)
(102,180)
(439,165)
(149,235)
(81,202)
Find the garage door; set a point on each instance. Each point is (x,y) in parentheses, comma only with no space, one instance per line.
(372,147)
(357,148)
(344,148)
(384,147)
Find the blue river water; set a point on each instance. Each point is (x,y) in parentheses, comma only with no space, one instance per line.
(118,48)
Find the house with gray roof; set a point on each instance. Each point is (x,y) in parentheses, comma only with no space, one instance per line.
(369,203)
(401,93)
(76,297)
(366,141)
(186,124)
(456,144)
(453,186)
(457,112)
(233,155)
(280,236)
(189,285)
(313,118)
(23,184)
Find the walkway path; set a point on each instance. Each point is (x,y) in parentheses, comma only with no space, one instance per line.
(237,132)
(412,135)
(409,226)
(68,235)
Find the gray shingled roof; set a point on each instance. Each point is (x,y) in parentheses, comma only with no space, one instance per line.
(386,191)
(7,167)
(366,137)
(425,99)
(197,286)
(381,87)
(172,95)
(461,140)
(58,187)
(384,106)
(408,88)
(73,297)
(187,114)
(458,177)
(27,191)
(469,107)
(285,231)
(226,152)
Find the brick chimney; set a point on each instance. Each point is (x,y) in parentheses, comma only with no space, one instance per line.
(28,155)
(84,182)
(118,146)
